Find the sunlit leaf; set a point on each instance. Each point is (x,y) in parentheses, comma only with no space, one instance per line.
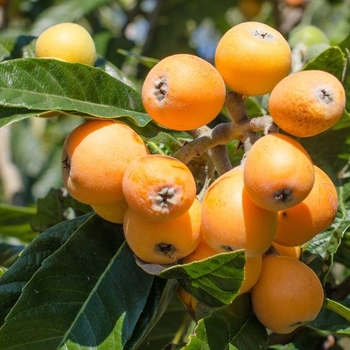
(52,85)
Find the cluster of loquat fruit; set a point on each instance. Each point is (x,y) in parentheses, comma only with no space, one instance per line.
(275,198)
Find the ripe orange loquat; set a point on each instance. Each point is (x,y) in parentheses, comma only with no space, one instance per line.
(163,242)
(278,172)
(287,295)
(231,220)
(307,103)
(113,212)
(315,213)
(252,58)
(183,92)
(94,157)
(159,187)
(294,252)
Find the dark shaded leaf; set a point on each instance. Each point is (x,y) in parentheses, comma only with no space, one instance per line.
(30,260)
(55,207)
(90,293)
(9,253)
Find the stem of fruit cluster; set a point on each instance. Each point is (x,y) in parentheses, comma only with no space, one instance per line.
(214,140)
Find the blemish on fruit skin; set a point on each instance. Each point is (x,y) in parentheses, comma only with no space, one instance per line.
(66,163)
(161,88)
(262,34)
(165,199)
(285,195)
(165,248)
(325,95)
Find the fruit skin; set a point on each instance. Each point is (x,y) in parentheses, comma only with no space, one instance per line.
(315,213)
(252,270)
(183,92)
(188,300)
(294,252)
(159,187)
(231,220)
(252,58)
(94,158)
(68,42)
(307,103)
(113,212)
(287,294)
(202,251)
(163,242)
(278,172)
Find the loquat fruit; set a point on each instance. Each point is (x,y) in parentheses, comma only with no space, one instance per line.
(278,172)
(287,295)
(159,187)
(315,213)
(252,58)
(307,103)
(113,212)
(183,92)
(68,42)
(163,242)
(94,157)
(294,252)
(231,220)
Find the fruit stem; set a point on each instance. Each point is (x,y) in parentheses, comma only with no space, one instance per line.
(337,308)
(214,140)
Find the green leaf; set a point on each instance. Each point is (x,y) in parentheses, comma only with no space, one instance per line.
(14,115)
(12,282)
(89,293)
(219,329)
(159,317)
(319,251)
(9,253)
(331,60)
(55,207)
(214,281)
(333,317)
(15,222)
(53,85)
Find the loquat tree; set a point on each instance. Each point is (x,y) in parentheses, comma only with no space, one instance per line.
(174,175)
